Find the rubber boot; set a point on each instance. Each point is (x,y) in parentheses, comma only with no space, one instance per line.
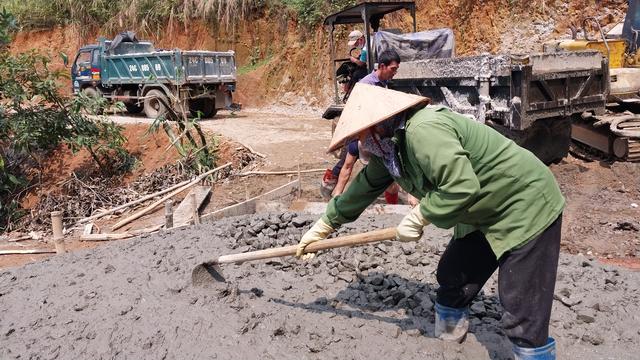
(546,352)
(391,198)
(452,324)
(328,184)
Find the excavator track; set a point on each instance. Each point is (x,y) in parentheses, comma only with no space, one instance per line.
(614,136)
(634,150)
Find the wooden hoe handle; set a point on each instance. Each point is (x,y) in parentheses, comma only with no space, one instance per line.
(348,240)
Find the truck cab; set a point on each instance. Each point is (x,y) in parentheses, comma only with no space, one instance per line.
(86,67)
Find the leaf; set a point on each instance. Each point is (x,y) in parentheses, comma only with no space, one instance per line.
(14,179)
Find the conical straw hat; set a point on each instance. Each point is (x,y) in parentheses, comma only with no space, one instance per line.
(367,106)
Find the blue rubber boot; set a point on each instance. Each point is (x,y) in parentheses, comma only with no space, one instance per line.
(452,324)
(546,352)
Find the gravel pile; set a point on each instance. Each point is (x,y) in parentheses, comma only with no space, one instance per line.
(133,299)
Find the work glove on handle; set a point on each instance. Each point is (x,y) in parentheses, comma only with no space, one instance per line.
(410,228)
(319,231)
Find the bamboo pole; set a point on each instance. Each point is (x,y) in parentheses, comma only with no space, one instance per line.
(286,172)
(151,207)
(299,182)
(27,251)
(58,236)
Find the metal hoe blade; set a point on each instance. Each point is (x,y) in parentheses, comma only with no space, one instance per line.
(205,274)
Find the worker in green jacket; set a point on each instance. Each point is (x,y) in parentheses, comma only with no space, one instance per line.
(503,203)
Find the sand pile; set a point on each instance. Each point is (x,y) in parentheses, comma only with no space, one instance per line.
(133,299)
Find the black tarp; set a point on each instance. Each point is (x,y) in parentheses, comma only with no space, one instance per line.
(432,44)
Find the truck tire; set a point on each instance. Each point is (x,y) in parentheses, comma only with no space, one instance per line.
(206,106)
(154,103)
(134,108)
(548,139)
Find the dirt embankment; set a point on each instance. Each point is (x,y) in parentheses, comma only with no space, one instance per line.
(296,69)
(134,299)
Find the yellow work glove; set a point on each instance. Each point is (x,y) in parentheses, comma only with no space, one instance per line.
(319,231)
(410,228)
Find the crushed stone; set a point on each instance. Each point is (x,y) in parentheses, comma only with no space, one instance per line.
(134,299)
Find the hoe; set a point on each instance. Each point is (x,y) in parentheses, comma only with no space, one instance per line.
(209,273)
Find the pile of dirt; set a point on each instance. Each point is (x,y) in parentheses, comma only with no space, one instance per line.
(603,203)
(134,299)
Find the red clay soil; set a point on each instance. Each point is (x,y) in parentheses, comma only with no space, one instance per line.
(151,150)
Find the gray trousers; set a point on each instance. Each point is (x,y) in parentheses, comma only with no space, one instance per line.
(526,281)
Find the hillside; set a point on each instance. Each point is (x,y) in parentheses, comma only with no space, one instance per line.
(285,63)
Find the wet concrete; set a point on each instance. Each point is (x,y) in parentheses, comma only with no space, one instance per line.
(134,299)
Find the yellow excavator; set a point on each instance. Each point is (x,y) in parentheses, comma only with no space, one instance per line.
(617,132)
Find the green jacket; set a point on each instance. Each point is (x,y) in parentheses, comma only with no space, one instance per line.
(467,175)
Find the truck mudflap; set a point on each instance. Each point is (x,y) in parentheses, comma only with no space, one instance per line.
(333,111)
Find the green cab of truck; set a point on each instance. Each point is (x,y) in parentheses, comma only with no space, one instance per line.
(156,80)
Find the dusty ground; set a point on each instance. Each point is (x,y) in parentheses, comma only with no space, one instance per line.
(134,299)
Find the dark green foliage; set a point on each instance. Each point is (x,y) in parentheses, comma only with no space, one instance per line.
(7,26)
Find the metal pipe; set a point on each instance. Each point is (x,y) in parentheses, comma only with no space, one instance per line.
(336,98)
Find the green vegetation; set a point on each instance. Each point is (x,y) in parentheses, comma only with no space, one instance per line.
(256,59)
(252,65)
(35,119)
(197,153)
(151,15)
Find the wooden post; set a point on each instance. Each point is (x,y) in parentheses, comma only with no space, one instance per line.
(194,206)
(168,214)
(56,226)
(299,182)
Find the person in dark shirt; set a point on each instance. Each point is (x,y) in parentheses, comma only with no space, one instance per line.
(388,64)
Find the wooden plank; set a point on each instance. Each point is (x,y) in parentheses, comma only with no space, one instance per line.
(27,251)
(20,238)
(249,206)
(284,172)
(277,193)
(318,208)
(105,237)
(119,236)
(183,214)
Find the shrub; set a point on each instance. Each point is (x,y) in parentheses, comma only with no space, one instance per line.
(35,118)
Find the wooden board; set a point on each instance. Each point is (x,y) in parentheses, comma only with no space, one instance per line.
(27,251)
(318,208)
(183,214)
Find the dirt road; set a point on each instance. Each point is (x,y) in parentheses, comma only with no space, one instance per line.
(287,140)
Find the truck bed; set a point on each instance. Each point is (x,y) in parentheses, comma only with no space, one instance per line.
(513,91)
(172,67)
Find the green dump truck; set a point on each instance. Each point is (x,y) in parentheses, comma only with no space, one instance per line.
(148,79)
